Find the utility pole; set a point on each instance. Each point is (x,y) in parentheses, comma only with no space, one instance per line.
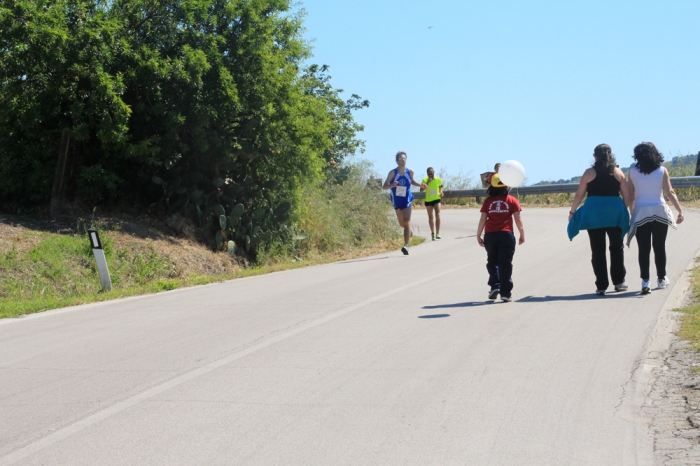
(60,169)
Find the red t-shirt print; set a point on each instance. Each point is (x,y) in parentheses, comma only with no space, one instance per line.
(499,212)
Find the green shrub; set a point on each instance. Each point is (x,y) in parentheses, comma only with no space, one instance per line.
(352,214)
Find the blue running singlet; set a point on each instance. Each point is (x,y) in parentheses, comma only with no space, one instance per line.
(401,195)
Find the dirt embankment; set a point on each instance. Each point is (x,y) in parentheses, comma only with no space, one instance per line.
(185,247)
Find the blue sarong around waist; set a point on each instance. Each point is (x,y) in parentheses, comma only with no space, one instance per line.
(600,212)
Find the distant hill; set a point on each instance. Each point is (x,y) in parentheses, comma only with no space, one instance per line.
(575,179)
(690,159)
(675,162)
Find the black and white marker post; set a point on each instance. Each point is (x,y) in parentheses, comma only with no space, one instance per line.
(100,259)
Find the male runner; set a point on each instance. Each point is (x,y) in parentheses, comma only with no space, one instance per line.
(432,201)
(399,182)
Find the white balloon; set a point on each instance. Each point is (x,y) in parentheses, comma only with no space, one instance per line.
(512,173)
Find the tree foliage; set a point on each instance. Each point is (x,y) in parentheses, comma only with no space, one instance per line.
(186,104)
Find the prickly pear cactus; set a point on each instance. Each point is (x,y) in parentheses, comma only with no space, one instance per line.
(219,239)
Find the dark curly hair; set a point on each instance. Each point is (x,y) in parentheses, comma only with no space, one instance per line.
(604,160)
(648,157)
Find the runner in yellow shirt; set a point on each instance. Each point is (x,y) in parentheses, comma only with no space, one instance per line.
(433,194)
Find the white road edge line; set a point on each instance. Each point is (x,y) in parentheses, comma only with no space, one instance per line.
(120,406)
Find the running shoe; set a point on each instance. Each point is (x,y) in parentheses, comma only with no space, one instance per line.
(621,287)
(404,250)
(506,299)
(493,294)
(432,235)
(645,287)
(663,282)
(437,236)
(600,292)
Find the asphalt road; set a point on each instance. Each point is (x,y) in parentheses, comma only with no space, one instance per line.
(386,360)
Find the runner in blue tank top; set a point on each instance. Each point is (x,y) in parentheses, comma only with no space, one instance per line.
(399,182)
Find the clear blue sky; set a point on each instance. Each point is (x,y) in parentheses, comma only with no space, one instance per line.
(464,84)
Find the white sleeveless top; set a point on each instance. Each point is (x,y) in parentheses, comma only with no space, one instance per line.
(649,202)
(648,189)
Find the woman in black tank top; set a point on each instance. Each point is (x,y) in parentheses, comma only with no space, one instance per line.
(603,182)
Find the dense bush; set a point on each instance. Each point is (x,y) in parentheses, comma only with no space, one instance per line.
(347,215)
(191,107)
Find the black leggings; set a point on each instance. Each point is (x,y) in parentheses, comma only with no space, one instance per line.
(598,259)
(652,234)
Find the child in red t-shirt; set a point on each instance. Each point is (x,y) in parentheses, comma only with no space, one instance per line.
(497,215)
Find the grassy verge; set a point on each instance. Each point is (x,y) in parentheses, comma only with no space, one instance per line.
(531,200)
(688,197)
(690,323)
(42,269)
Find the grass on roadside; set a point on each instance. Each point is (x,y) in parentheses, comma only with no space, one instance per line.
(42,270)
(55,270)
(690,322)
(689,197)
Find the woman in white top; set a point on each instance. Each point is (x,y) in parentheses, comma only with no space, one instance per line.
(650,214)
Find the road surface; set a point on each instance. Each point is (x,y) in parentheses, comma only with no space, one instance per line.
(385,360)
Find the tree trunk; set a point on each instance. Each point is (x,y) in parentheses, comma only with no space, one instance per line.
(60,169)
(697,166)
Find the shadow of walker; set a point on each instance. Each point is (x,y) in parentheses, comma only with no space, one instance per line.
(580,297)
(457,305)
(539,299)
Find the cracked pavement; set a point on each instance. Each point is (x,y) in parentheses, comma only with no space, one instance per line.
(673,405)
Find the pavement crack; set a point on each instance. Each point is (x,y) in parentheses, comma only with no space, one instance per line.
(623,387)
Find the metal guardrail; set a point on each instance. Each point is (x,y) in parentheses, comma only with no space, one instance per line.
(676,182)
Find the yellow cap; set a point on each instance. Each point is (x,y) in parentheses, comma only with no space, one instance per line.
(496,181)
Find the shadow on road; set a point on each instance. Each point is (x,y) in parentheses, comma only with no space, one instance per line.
(433,316)
(468,304)
(580,297)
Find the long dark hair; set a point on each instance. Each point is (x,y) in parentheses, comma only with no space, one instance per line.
(604,160)
(494,191)
(648,157)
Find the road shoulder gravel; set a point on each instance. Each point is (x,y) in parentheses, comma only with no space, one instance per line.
(672,405)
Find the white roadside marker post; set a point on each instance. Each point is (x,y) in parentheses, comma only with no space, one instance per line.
(100,259)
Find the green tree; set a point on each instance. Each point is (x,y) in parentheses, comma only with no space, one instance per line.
(55,72)
(189,104)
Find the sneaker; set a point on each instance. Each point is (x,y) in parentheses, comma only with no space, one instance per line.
(506,299)
(663,282)
(432,235)
(600,292)
(493,294)
(621,287)
(645,287)
(404,250)
(437,236)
